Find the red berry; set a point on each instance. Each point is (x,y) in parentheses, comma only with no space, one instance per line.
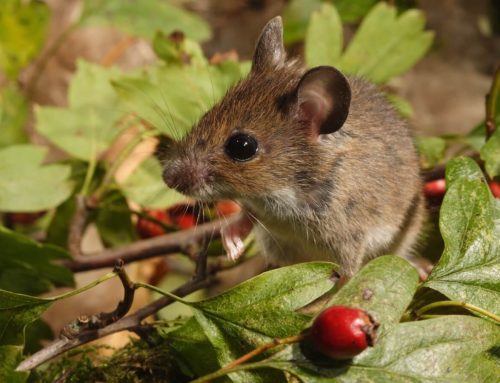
(24,218)
(435,188)
(182,216)
(342,332)
(495,188)
(148,228)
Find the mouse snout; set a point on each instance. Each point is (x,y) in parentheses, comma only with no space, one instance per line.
(185,179)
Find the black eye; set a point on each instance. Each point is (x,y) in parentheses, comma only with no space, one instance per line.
(241,147)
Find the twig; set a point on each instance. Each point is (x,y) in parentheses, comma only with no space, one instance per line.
(259,350)
(85,323)
(491,104)
(77,226)
(117,51)
(177,242)
(49,53)
(127,323)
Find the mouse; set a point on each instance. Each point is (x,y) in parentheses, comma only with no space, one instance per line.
(322,165)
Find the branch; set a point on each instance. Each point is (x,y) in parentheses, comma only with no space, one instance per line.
(130,322)
(491,103)
(177,242)
(77,226)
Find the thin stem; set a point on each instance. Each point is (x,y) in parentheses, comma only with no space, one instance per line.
(162,292)
(468,306)
(110,173)
(259,350)
(491,104)
(92,284)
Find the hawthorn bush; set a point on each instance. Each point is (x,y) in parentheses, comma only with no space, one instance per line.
(443,328)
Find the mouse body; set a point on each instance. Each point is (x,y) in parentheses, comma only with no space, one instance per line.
(322,164)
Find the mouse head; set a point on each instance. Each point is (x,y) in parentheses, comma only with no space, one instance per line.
(266,135)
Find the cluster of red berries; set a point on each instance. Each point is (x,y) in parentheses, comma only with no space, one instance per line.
(155,222)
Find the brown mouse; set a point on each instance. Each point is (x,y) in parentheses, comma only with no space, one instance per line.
(322,164)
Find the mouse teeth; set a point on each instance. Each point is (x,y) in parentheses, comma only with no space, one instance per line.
(233,236)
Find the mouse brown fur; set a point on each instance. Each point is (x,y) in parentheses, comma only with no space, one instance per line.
(335,175)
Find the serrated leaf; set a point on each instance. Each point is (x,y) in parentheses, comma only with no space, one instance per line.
(297,13)
(384,288)
(23,27)
(431,150)
(144,18)
(260,309)
(16,312)
(470,265)
(145,187)
(490,154)
(448,349)
(173,98)
(27,185)
(178,51)
(13,115)
(386,45)
(88,125)
(324,37)
(28,267)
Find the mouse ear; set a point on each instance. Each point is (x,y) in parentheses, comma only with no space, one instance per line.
(323,99)
(269,52)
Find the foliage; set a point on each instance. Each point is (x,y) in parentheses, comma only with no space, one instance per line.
(23,28)
(111,113)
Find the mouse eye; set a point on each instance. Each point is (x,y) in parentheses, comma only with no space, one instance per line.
(241,147)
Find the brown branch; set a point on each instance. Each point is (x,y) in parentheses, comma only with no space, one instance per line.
(491,104)
(77,226)
(117,51)
(127,323)
(178,242)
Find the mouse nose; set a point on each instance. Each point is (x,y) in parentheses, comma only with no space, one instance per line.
(183,179)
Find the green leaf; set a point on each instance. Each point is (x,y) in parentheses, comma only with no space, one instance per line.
(27,185)
(297,13)
(448,349)
(192,90)
(16,312)
(88,126)
(113,220)
(490,154)
(37,334)
(13,115)
(324,38)
(296,18)
(386,45)
(469,267)
(11,356)
(143,18)
(27,266)
(351,11)
(145,187)
(178,50)
(192,349)
(58,230)
(260,309)
(431,150)
(384,288)
(23,27)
